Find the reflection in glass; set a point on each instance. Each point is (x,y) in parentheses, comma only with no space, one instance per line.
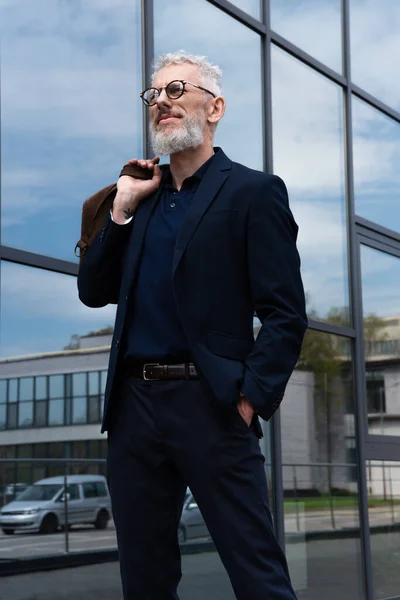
(381,315)
(3,409)
(94,409)
(24,451)
(375,48)
(315,27)
(252,7)
(11,416)
(308,155)
(56,412)
(41,413)
(56,386)
(383,482)
(319,470)
(79,384)
(204,29)
(3,391)
(12,390)
(41,388)
(103,381)
(25,414)
(69,78)
(26,388)
(79,410)
(376,155)
(94,383)
(54,319)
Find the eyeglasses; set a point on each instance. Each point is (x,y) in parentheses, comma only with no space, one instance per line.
(174,90)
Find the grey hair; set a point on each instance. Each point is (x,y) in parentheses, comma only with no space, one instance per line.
(211,74)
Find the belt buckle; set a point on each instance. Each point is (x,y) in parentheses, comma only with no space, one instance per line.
(144,371)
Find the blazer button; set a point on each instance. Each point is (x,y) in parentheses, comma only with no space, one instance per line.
(117,343)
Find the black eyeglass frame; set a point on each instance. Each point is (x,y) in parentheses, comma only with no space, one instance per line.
(159,90)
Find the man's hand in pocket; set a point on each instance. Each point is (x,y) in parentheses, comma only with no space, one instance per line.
(246,410)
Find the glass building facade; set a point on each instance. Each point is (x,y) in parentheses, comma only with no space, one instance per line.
(313,95)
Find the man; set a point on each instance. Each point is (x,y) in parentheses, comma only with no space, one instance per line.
(188,255)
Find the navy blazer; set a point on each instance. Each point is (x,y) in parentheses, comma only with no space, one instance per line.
(235,254)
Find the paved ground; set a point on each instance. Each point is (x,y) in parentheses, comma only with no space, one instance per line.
(204,578)
(320,569)
(83,538)
(33,544)
(328,569)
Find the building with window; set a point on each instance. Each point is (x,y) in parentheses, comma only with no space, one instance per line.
(312,92)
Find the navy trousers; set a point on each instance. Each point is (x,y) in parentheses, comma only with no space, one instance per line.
(164,436)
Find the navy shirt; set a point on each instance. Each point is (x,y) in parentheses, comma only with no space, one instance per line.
(153,329)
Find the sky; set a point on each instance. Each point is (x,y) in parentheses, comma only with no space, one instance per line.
(71,116)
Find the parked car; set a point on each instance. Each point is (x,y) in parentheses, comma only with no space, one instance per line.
(192,524)
(41,506)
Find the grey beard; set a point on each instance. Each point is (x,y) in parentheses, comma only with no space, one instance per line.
(191,135)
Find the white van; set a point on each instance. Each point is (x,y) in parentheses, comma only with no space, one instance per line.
(41,506)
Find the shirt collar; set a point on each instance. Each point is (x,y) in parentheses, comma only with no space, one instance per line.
(198,175)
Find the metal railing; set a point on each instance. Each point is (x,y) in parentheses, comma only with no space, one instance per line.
(318,497)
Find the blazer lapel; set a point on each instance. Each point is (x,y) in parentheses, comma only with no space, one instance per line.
(214,178)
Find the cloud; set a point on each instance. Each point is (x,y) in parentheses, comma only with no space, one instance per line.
(375,47)
(71,115)
(380,275)
(314,27)
(52,296)
(40,311)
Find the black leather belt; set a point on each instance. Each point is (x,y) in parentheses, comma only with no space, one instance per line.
(156,372)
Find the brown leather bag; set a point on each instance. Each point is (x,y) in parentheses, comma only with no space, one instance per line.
(96,208)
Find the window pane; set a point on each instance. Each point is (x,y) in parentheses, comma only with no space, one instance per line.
(198,26)
(79,410)
(383,478)
(57,450)
(101,489)
(73,491)
(103,381)
(3,391)
(41,413)
(380,294)
(12,389)
(56,412)
(320,472)
(89,490)
(313,26)
(56,385)
(61,66)
(41,388)
(25,451)
(252,7)
(25,414)
(376,152)
(11,416)
(375,48)
(54,320)
(94,383)
(79,384)
(94,409)
(26,388)
(308,155)
(3,416)
(40,450)
(93,451)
